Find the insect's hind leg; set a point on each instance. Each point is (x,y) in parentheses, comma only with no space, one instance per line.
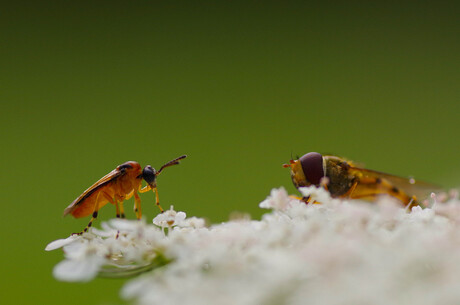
(94,216)
(158,200)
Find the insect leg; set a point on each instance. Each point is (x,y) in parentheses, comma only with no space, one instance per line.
(158,200)
(122,209)
(137,206)
(155,190)
(94,216)
(117,207)
(349,194)
(145,189)
(306,199)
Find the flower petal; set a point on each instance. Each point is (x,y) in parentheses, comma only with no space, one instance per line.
(78,270)
(61,242)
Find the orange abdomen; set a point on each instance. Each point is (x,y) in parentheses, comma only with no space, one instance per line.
(87,207)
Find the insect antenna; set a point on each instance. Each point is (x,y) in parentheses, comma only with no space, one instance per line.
(171,163)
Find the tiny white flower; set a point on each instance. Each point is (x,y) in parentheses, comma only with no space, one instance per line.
(451,209)
(421,215)
(192,222)
(278,200)
(318,194)
(106,230)
(81,270)
(83,260)
(169,218)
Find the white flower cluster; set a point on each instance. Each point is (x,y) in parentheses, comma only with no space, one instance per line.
(337,252)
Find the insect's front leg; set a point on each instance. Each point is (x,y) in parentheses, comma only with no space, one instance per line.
(309,200)
(158,199)
(144,189)
(349,194)
(306,199)
(155,190)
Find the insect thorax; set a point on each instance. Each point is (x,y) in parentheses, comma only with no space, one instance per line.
(339,179)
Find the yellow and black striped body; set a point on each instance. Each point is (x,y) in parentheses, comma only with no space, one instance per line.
(344,180)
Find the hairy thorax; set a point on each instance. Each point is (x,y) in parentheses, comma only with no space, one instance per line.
(339,178)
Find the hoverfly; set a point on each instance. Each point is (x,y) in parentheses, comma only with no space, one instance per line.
(115,187)
(342,179)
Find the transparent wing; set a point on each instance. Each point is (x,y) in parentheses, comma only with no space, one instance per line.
(80,201)
(410,186)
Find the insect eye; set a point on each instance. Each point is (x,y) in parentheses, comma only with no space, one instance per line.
(149,174)
(312,166)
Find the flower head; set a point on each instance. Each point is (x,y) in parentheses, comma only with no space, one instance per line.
(296,254)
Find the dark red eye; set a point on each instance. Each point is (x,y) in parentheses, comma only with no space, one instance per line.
(312,166)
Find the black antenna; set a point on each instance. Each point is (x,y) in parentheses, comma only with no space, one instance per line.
(171,163)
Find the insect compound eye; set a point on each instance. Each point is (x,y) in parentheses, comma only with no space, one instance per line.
(312,166)
(149,174)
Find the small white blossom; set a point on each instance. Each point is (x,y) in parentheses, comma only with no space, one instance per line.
(278,200)
(192,222)
(318,194)
(169,218)
(84,257)
(80,268)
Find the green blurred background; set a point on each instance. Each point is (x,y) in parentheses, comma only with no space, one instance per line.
(238,86)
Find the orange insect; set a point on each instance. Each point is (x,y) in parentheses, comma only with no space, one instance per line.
(342,179)
(115,187)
